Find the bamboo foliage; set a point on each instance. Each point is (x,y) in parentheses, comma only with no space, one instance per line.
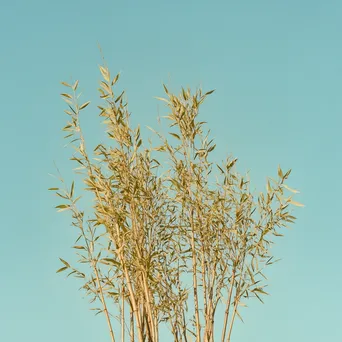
(166,237)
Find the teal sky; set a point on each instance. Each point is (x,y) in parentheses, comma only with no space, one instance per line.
(276,67)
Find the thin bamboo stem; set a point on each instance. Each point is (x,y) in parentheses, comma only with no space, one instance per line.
(226,314)
(194,279)
(104,302)
(144,279)
(232,321)
(123,315)
(237,296)
(131,328)
(130,289)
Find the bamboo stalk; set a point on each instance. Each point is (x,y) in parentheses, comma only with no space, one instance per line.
(226,314)
(144,279)
(232,321)
(131,327)
(104,303)
(193,250)
(123,315)
(149,310)
(237,296)
(194,279)
(130,289)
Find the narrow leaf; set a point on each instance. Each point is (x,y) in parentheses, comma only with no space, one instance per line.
(66,95)
(74,87)
(162,99)
(209,92)
(66,84)
(280,172)
(78,247)
(297,204)
(72,189)
(64,262)
(175,135)
(62,269)
(290,189)
(115,79)
(166,91)
(84,105)
(105,73)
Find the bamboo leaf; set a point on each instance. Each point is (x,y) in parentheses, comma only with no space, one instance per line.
(297,204)
(209,92)
(231,164)
(220,168)
(72,272)
(78,247)
(72,189)
(175,135)
(84,105)
(66,95)
(258,289)
(74,87)
(280,172)
(106,87)
(211,148)
(290,189)
(119,97)
(115,79)
(66,84)
(62,269)
(162,99)
(62,207)
(268,186)
(64,262)
(110,261)
(105,73)
(259,298)
(166,91)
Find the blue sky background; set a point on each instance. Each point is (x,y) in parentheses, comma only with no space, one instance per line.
(276,67)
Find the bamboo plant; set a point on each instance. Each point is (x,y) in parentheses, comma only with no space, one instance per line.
(167,245)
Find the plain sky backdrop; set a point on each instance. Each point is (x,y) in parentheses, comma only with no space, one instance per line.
(277,68)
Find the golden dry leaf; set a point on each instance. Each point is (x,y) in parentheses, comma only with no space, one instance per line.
(290,189)
(84,105)
(105,73)
(74,87)
(297,204)
(66,84)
